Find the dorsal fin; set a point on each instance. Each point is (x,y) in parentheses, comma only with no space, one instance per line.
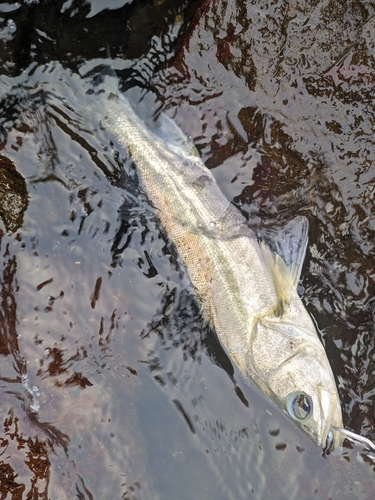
(176,140)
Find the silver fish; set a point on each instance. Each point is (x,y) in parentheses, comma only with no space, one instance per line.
(247,292)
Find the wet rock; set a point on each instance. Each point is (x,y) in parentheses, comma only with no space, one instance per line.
(13,195)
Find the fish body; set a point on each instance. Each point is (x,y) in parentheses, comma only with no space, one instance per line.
(247,291)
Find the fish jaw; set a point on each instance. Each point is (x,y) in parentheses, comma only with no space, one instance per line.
(330,416)
(335,439)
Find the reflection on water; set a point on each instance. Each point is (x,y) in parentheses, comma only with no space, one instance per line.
(112,385)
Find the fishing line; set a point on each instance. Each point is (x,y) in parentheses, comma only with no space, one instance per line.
(356,438)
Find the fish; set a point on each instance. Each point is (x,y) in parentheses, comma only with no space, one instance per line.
(246,287)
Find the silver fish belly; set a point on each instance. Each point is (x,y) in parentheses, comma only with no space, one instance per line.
(247,292)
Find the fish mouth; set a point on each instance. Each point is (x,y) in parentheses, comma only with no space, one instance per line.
(332,438)
(331,417)
(334,442)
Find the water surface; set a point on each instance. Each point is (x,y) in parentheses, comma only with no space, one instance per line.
(112,385)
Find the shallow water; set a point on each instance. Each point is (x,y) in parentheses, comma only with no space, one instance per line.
(112,386)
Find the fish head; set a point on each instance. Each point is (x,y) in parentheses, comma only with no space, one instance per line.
(289,364)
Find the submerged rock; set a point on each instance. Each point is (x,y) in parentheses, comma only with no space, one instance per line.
(13,195)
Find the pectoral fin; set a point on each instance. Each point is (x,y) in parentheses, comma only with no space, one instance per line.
(286,260)
(281,278)
(291,243)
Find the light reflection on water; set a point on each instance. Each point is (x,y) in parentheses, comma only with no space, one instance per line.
(136,398)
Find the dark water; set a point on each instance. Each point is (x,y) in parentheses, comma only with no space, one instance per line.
(111,384)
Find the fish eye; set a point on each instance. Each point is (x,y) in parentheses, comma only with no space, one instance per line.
(300,406)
